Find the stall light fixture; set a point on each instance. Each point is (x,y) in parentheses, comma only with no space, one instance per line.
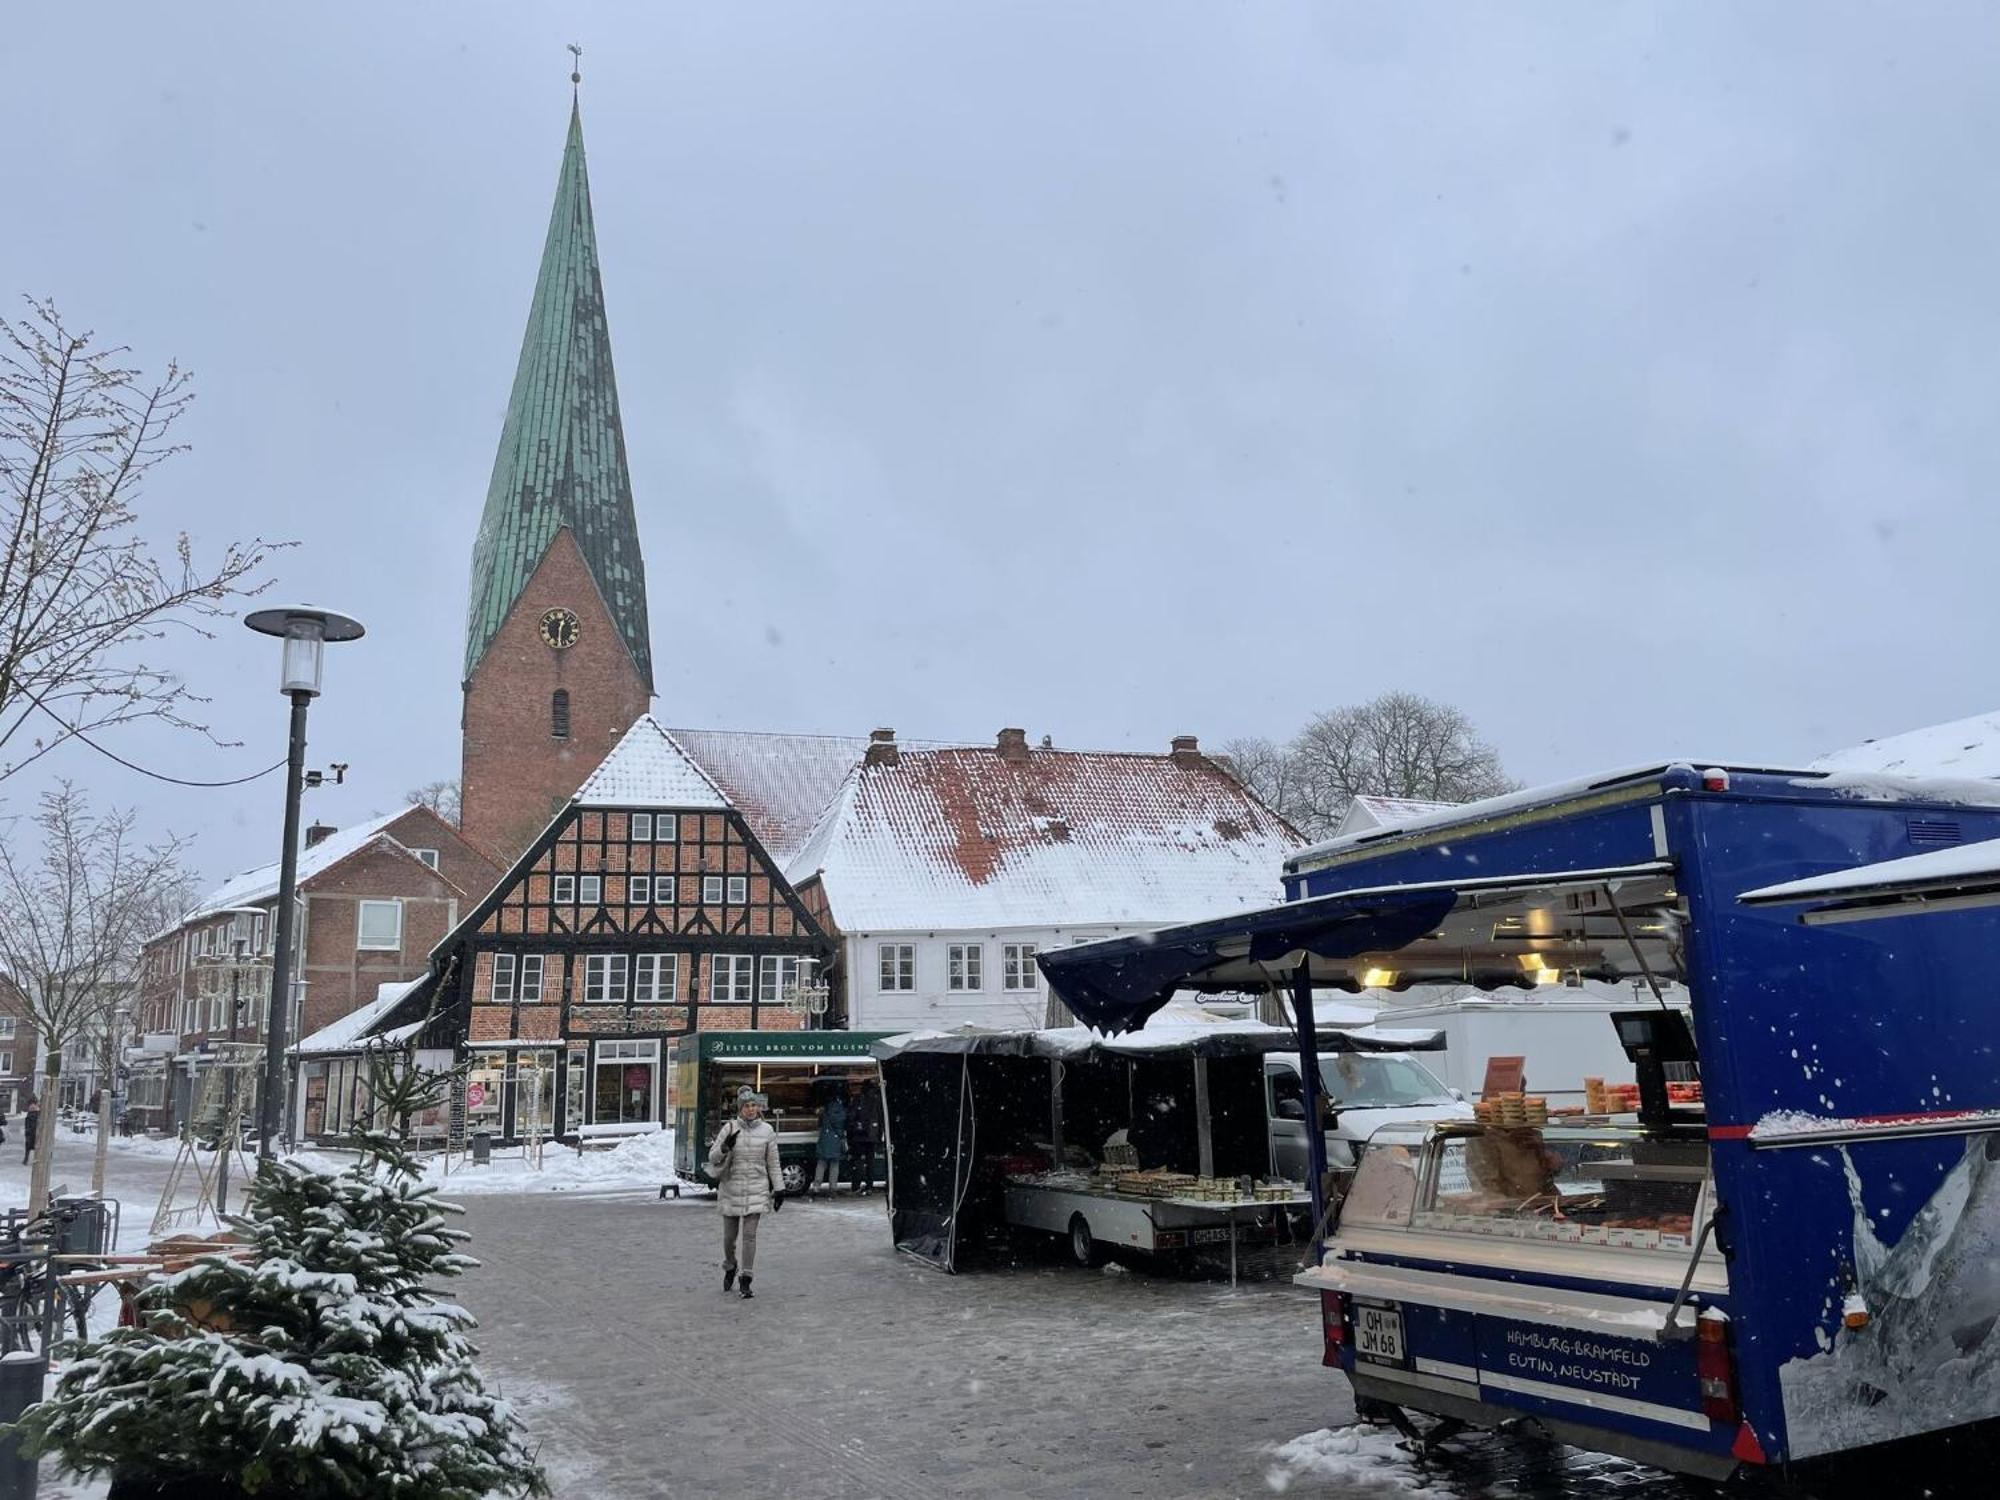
(1548,976)
(1377,979)
(1534,963)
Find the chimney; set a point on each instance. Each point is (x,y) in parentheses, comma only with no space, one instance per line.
(882,749)
(1013,746)
(319,833)
(1187,751)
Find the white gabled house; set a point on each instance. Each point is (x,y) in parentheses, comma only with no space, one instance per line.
(942,872)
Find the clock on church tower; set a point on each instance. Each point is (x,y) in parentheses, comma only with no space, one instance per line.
(560,629)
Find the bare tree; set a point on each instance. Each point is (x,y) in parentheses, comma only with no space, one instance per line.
(441,797)
(81,591)
(118,1022)
(1266,767)
(74,910)
(1397,745)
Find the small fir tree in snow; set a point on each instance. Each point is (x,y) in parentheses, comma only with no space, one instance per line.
(320,1366)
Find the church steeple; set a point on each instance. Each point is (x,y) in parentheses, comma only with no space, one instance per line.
(562,451)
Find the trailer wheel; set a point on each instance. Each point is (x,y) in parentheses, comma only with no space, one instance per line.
(1083,1246)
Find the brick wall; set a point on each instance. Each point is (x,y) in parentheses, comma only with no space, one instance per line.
(341,976)
(514,774)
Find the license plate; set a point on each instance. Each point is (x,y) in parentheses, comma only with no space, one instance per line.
(1378,1334)
(1211,1236)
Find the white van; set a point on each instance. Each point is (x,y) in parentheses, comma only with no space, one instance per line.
(1365,1090)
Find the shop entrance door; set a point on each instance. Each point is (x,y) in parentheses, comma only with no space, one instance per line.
(625,1087)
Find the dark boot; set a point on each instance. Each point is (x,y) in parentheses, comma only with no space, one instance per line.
(746,1286)
(729,1279)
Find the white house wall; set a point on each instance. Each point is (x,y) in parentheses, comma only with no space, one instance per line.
(933,1003)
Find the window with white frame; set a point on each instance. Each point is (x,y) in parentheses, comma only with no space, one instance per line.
(711,888)
(638,890)
(739,888)
(729,978)
(6,1063)
(380,926)
(604,979)
(666,827)
(964,966)
(590,890)
(776,973)
(1017,966)
(642,828)
(503,977)
(218,1011)
(428,856)
(531,978)
(656,978)
(897,966)
(6,1028)
(563,888)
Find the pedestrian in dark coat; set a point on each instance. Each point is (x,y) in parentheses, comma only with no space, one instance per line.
(832,1143)
(864,1135)
(31,1126)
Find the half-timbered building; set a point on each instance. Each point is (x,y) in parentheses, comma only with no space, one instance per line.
(647,908)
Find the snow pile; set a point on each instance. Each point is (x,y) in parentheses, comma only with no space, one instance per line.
(1930,1354)
(642,1163)
(1365,1462)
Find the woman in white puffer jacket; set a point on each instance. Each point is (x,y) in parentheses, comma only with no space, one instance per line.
(749,1183)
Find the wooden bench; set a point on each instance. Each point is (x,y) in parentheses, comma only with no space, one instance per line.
(589,1136)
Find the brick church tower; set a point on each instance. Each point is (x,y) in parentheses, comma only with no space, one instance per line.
(558,663)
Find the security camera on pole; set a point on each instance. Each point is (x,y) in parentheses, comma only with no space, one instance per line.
(305,632)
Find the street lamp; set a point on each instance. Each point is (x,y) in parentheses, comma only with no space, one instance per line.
(305,632)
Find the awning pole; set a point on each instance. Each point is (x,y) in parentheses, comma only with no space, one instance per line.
(1204,1131)
(1633,943)
(1315,1086)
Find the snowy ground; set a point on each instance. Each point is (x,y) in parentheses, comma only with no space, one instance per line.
(857,1372)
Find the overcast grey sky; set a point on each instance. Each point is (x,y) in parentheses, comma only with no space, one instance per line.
(1621,373)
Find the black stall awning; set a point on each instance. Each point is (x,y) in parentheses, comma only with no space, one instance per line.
(1490,931)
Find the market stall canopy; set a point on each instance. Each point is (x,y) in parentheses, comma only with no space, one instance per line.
(1943,880)
(1612,923)
(1213,1039)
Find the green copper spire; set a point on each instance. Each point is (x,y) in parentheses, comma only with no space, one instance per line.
(562,451)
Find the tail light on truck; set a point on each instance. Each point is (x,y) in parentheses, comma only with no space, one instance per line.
(1714,1367)
(1333,1317)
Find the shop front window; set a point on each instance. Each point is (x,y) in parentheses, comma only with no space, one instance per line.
(622,1091)
(482,1096)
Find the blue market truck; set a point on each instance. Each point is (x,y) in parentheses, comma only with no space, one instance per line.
(1803,1263)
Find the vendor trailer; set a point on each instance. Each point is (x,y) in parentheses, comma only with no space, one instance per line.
(1797,1266)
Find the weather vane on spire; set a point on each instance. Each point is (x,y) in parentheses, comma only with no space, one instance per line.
(576,69)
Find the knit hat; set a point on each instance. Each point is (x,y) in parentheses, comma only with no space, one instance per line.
(748,1095)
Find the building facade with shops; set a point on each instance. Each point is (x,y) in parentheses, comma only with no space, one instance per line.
(648,908)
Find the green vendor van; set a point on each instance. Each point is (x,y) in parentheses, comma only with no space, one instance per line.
(796,1071)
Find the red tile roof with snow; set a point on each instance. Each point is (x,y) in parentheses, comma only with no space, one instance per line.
(970,838)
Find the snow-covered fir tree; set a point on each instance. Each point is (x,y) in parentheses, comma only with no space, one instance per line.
(320,1366)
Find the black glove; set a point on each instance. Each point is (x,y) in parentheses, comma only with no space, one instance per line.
(777,1200)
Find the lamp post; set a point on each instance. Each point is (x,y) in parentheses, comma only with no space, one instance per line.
(305,632)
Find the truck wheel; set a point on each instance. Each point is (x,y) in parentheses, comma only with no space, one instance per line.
(1083,1247)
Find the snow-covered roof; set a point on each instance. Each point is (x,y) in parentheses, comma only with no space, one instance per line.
(649,768)
(254,887)
(975,838)
(351,1029)
(779,782)
(1963,747)
(1976,861)
(1366,812)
